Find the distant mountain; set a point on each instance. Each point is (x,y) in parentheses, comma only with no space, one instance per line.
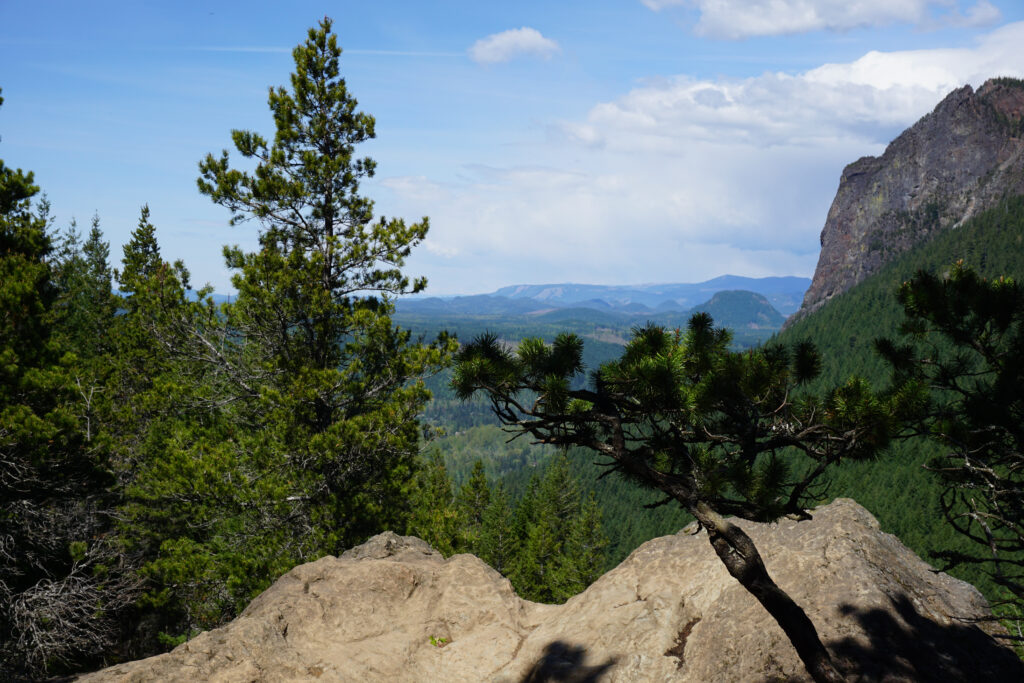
(784,293)
(738,309)
(749,315)
(956,162)
(478,304)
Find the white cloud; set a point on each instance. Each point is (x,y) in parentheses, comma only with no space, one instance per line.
(735,19)
(866,100)
(501,47)
(984,13)
(684,179)
(622,216)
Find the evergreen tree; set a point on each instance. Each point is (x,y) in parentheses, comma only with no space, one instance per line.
(435,517)
(147,378)
(961,364)
(301,397)
(498,544)
(168,436)
(85,305)
(59,578)
(328,377)
(586,544)
(141,257)
(84,315)
(898,489)
(472,501)
(706,426)
(557,557)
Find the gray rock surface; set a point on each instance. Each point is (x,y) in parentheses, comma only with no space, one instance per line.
(952,164)
(395,610)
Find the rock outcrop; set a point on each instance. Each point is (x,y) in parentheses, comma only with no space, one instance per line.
(952,164)
(395,610)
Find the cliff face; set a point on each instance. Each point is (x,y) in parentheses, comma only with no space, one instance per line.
(395,610)
(952,164)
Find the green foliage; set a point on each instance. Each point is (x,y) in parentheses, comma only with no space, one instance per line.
(472,500)
(141,259)
(897,489)
(499,544)
(281,426)
(510,460)
(435,516)
(550,543)
(709,427)
(965,341)
(561,549)
(85,306)
(60,583)
(712,419)
(628,521)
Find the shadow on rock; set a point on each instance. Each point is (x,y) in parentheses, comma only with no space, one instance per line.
(563,663)
(912,647)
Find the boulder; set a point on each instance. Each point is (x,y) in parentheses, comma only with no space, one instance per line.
(395,610)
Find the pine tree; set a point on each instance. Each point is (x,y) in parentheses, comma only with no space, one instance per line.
(586,546)
(435,517)
(303,396)
(85,307)
(960,370)
(681,413)
(146,382)
(472,501)
(141,257)
(59,578)
(498,544)
(331,382)
(556,545)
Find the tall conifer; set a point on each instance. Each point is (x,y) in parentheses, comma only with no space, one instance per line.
(306,395)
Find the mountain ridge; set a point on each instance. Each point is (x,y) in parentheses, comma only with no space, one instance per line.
(749,315)
(783,292)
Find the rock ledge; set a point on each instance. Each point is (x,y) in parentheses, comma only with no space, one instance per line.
(394,609)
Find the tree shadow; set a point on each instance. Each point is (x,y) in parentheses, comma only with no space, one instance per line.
(563,663)
(915,648)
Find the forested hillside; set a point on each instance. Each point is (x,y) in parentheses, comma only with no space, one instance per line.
(895,487)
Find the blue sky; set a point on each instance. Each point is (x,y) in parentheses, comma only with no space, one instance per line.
(601,142)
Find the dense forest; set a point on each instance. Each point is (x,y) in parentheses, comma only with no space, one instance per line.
(166,455)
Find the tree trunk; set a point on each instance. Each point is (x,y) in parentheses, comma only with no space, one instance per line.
(741,558)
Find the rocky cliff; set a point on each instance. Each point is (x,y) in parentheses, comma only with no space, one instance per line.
(952,164)
(395,610)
